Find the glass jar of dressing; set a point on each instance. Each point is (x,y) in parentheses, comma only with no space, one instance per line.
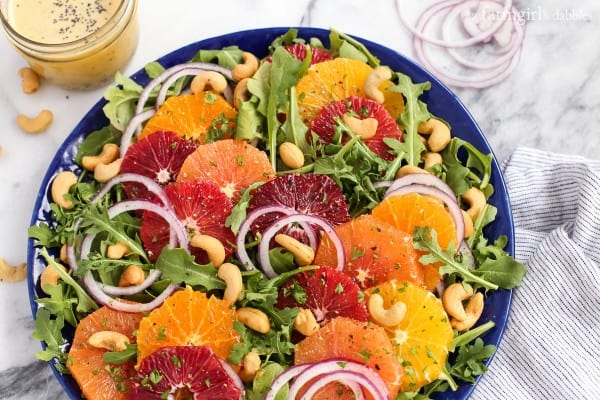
(75,44)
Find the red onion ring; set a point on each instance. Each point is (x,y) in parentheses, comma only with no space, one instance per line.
(269,233)
(508,54)
(240,244)
(131,129)
(354,381)
(149,183)
(334,366)
(283,378)
(421,179)
(450,202)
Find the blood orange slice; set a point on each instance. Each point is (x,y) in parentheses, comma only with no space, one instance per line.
(203,209)
(357,341)
(299,51)
(192,115)
(408,211)
(359,107)
(158,156)
(375,252)
(232,164)
(188,318)
(310,194)
(328,294)
(330,81)
(422,337)
(184,372)
(97,380)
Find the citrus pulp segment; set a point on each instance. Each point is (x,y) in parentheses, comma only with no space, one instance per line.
(421,339)
(188,318)
(192,115)
(375,252)
(97,380)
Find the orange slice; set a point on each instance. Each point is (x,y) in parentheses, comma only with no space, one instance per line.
(191,115)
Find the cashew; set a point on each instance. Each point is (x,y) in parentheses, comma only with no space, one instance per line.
(105,172)
(250,366)
(468,224)
(374,80)
(365,128)
(473,311)
(109,340)
(211,79)
(30,82)
(291,155)
(63,255)
(50,277)
(60,187)
(212,246)
(254,319)
(12,274)
(453,297)
(410,169)
(37,124)
(390,317)
(439,134)
(303,254)
(117,250)
(431,159)
(232,277)
(476,201)
(110,152)
(247,68)
(132,276)
(305,322)
(241,93)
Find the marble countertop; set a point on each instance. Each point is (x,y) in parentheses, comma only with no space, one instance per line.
(550,102)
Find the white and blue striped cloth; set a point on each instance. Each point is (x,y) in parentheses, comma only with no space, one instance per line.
(551,346)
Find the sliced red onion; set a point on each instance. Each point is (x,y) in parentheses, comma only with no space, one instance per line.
(131,290)
(233,375)
(354,381)
(506,29)
(284,378)
(240,243)
(149,183)
(269,233)
(382,184)
(421,179)
(131,129)
(450,202)
(467,254)
(376,386)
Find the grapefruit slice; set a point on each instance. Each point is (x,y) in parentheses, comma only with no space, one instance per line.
(353,340)
(375,252)
(97,380)
(192,115)
(359,107)
(184,372)
(188,318)
(329,294)
(201,206)
(232,164)
(422,337)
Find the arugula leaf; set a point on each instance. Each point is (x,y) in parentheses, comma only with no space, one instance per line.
(44,235)
(415,112)
(121,101)
(120,357)
(293,128)
(227,57)
(476,170)
(238,214)
(154,69)
(345,46)
(291,36)
(48,330)
(250,123)
(470,360)
(60,302)
(85,304)
(179,267)
(95,141)
(263,380)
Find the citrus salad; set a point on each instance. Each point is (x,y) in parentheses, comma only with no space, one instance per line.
(295,225)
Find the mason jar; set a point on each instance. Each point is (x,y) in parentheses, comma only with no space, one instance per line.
(75,44)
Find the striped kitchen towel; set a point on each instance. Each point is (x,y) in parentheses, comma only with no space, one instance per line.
(551,346)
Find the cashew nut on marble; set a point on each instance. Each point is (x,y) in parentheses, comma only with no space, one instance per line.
(9,273)
(37,124)
(30,80)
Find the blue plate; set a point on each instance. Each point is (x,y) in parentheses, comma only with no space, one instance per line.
(440,101)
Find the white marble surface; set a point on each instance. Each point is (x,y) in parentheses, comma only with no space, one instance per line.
(549,102)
